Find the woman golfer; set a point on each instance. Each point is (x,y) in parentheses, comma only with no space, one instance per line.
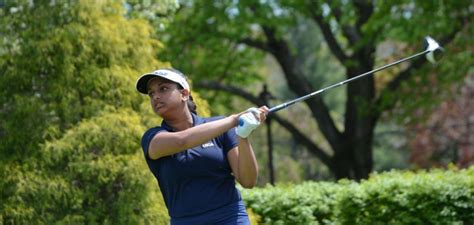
(197,160)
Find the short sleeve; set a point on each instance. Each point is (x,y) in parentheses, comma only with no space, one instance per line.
(147,137)
(230,140)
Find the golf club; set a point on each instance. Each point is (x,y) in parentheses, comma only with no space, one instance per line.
(433,50)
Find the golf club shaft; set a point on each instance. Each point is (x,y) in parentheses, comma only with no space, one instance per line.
(302,98)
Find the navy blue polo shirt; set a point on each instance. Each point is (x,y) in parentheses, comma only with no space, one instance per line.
(198,179)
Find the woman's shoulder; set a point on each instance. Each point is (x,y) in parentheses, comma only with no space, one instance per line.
(150,133)
(153,130)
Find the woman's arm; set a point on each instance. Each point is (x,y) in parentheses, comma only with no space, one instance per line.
(168,143)
(242,159)
(243,163)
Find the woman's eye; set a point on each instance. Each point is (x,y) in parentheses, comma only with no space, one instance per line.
(164,88)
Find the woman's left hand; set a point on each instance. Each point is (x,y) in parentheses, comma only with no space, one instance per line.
(263,113)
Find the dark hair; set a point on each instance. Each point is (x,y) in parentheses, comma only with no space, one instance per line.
(191,105)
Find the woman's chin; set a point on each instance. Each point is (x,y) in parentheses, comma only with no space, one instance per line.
(159,111)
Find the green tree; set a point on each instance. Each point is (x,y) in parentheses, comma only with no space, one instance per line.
(65,62)
(223,42)
(71,119)
(94,173)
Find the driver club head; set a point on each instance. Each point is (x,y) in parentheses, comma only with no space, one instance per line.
(435,50)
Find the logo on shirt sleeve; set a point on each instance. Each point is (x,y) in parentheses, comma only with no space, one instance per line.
(208,144)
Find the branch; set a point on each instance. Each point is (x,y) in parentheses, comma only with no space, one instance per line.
(305,141)
(350,32)
(254,43)
(328,35)
(296,80)
(212,85)
(365,10)
(301,86)
(297,134)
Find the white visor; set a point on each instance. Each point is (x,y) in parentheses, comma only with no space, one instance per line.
(142,82)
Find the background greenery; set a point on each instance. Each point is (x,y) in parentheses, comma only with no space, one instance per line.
(422,197)
(71,120)
(297,47)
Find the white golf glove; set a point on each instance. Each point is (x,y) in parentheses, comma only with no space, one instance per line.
(248,122)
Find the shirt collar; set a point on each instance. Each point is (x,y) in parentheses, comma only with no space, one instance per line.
(196,121)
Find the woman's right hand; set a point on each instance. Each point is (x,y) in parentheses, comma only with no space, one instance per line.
(249,120)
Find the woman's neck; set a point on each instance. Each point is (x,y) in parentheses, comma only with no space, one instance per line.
(180,121)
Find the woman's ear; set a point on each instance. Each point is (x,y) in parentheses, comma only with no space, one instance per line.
(184,94)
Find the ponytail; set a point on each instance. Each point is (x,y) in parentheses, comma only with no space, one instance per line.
(191,105)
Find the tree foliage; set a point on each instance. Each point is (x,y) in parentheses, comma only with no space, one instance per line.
(94,173)
(65,62)
(223,42)
(71,117)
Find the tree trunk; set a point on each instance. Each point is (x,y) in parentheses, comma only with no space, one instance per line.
(359,123)
(354,159)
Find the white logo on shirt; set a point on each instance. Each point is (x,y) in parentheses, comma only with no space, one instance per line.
(208,144)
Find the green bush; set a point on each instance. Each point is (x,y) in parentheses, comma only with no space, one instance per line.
(95,174)
(397,197)
(435,197)
(307,203)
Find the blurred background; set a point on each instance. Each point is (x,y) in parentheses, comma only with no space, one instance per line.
(71,119)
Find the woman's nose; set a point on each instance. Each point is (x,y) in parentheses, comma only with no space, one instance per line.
(155,96)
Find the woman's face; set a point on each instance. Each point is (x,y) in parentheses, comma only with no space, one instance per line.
(165,97)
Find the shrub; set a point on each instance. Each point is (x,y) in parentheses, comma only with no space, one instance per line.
(435,197)
(307,203)
(396,197)
(94,174)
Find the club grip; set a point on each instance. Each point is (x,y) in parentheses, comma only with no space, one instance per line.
(277,108)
